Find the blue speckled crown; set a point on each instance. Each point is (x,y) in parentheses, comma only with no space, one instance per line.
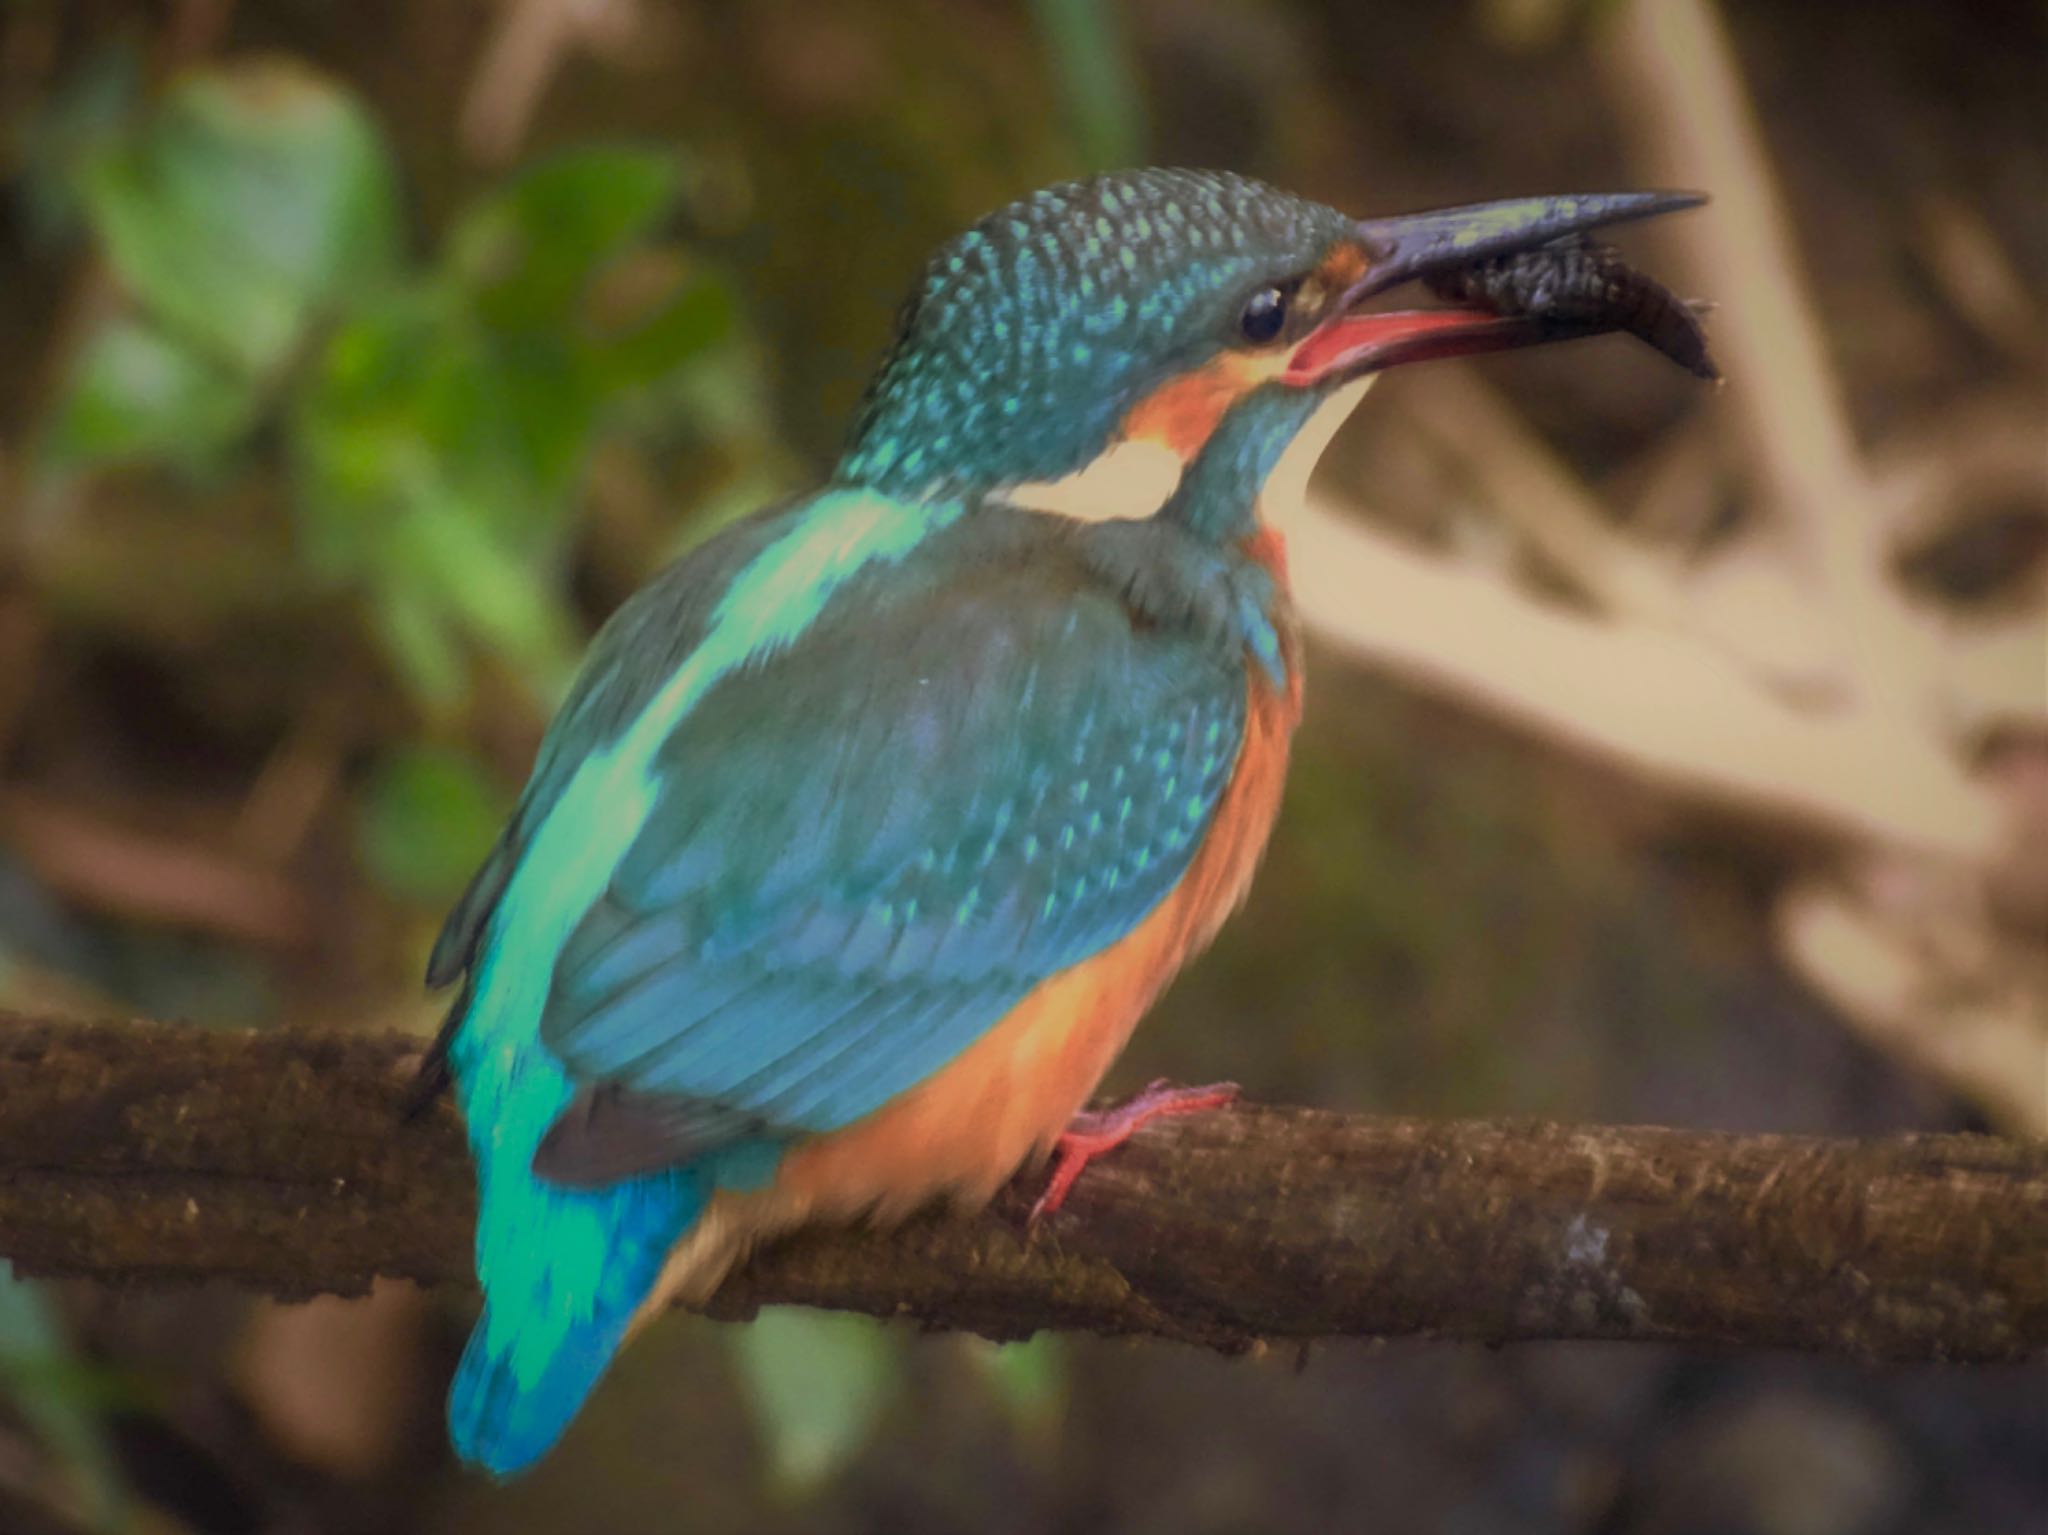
(1030,335)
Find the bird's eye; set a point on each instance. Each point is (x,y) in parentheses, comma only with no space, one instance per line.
(1264,316)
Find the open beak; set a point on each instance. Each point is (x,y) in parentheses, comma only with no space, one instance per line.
(1432,247)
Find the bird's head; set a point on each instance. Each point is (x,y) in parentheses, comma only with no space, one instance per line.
(1080,349)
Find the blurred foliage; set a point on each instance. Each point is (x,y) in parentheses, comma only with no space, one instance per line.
(426,817)
(309,405)
(1029,1379)
(242,207)
(1089,44)
(326,416)
(62,1399)
(442,433)
(817,1380)
(437,419)
(817,1383)
(429,426)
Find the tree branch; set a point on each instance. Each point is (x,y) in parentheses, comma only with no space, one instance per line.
(143,1153)
(1670,709)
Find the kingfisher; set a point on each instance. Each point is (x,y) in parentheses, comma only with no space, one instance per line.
(869,828)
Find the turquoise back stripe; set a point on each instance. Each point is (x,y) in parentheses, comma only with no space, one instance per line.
(564,1269)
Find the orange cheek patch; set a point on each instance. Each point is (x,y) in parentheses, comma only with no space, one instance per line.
(1341,268)
(1182,412)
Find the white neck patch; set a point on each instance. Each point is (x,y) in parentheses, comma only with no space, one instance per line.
(1134,479)
(1128,479)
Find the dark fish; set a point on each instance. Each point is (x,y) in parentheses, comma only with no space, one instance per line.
(1585,286)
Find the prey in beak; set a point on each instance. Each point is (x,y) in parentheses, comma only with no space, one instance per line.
(1516,273)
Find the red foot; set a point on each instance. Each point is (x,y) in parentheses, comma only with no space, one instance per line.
(1090,1135)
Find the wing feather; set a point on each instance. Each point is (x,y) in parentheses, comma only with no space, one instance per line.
(973,770)
(846,882)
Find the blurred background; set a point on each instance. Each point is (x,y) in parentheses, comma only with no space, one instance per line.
(1672,755)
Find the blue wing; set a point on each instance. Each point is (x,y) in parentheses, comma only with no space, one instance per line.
(865,836)
(871,846)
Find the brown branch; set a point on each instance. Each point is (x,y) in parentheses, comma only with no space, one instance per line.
(144,1153)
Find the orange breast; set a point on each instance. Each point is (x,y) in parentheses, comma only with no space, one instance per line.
(966,1129)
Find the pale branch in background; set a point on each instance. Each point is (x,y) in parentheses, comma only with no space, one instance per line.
(1789,670)
(145,1153)
(1679,713)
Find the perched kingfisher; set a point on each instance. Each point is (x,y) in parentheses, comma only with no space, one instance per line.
(870,828)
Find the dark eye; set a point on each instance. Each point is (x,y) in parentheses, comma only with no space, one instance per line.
(1264,316)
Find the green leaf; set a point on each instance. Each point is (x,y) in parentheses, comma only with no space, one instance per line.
(426,820)
(442,433)
(529,407)
(136,392)
(529,253)
(434,471)
(420,640)
(498,596)
(409,400)
(816,1381)
(690,313)
(1097,76)
(1028,1378)
(255,196)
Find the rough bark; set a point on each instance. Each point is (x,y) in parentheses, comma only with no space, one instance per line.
(143,1153)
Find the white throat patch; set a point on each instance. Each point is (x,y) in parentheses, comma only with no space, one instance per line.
(1286,487)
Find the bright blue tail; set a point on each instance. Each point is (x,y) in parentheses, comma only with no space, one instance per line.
(557,1307)
(503,1425)
(563,1269)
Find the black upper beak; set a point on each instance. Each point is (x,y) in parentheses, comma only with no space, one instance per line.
(1417,244)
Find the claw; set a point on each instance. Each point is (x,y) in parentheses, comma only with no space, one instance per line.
(1093,1134)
